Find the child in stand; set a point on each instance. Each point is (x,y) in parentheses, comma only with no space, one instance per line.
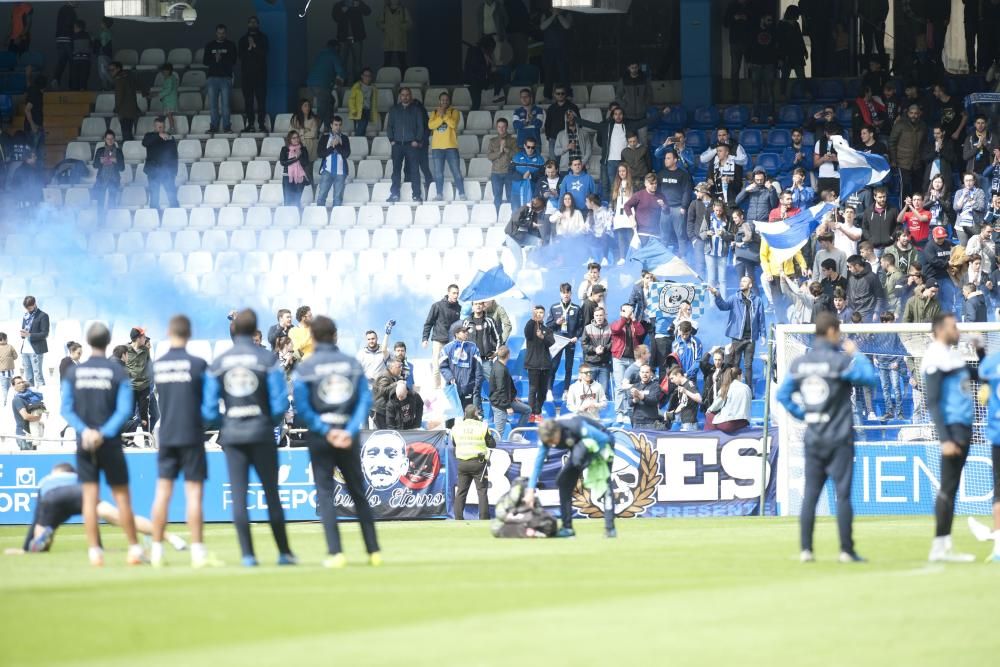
(168,95)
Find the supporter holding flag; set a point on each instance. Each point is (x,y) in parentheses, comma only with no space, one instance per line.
(857,170)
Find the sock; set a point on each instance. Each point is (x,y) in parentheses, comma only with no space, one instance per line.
(136,550)
(198,551)
(95,553)
(156,551)
(942,543)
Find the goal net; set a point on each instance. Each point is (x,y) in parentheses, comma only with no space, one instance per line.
(897,458)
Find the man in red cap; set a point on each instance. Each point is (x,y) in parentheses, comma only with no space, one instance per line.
(137,365)
(935,265)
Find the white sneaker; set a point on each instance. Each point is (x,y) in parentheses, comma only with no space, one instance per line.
(807,556)
(177,542)
(980,530)
(950,556)
(872,416)
(548,396)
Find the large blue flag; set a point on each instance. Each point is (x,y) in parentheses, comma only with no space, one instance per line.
(786,237)
(488,285)
(857,170)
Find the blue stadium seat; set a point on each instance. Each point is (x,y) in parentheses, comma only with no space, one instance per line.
(696,140)
(769,162)
(6,107)
(705,118)
(736,116)
(8,60)
(752,140)
(798,92)
(790,115)
(778,139)
(844,117)
(33,58)
(676,119)
(525,75)
(852,89)
(828,90)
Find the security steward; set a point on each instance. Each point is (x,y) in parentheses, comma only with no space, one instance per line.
(332,396)
(472,439)
(252,386)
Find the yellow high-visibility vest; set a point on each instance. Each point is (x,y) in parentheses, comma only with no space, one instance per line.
(469,436)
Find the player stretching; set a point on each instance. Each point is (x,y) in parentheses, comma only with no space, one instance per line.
(253,388)
(332,397)
(989,371)
(947,380)
(180,381)
(591,452)
(96,402)
(822,380)
(60,498)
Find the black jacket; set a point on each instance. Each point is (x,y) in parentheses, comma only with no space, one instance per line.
(440,318)
(486,336)
(934,261)
(350,20)
(536,356)
(878,227)
(219,58)
(109,172)
(383,387)
(404,414)
(38,332)
(161,154)
(645,410)
(323,150)
(302,159)
(604,127)
(865,293)
(253,63)
(502,389)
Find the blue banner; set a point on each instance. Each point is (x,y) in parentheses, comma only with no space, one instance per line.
(655,474)
(407,476)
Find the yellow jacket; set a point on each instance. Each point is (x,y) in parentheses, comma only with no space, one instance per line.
(770,265)
(356,100)
(444,129)
(302,341)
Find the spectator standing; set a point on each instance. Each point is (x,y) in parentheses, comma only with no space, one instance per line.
(34,341)
(596,342)
(481,72)
(395,24)
(715,233)
(79,69)
(301,336)
(109,164)
(503,394)
(865,292)
(253,51)
(731,407)
(674,183)
(797,154)
(8,355)
(982,244)
(307,124)
(872,15)
(500,151)
(762,56)
(528,119)
(626,333)
(537,361)
(333,151)
(745,325)
(556,43)
(756,198)
(406,128)
(383,386)
(893,282)
(646,206)
(280,328)
(636,156)
(738,21)
(294,159)
(879,222)
(725,173)
(126,104)
(161,164)
(139,366)
(65,18)
(21,15)
(825,157)
(970,207)
(443,123)
(362,103)
(168,95)
(578,184)
(105,50)
(325,75)
(556,120)
(803,195)
(828,251)
(940,157)
(915,219)
(27,183)
(977,149)
(405,409)
(611,137)
(586,396)
(527,166)
(349,15)
(219,59)
(437,326)
(485,333)
(634,92)
(923,306)
(791,47)
(684,401)
(906,148)
(564,319)
(938,201)
(29,410)
(953,114)
(374,358)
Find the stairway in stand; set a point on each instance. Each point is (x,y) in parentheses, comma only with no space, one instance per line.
(64,114)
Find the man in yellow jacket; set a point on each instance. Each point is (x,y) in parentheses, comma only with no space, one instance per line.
(362,103)
(472,439)
(443,123)
(772,269)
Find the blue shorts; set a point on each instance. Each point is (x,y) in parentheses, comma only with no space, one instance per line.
(191,461)
(108,458)
(59,505)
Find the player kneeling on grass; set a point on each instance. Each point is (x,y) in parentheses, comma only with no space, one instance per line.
(817,390)
(179,378)
(96,402)
(947,381)
(60,498)
(989,372)
(591,452)
(332,398)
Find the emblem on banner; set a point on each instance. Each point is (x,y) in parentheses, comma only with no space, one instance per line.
(674,294)
(635,473)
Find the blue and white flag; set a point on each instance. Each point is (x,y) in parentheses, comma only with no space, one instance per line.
(857,170)
(490,285)
(786,237)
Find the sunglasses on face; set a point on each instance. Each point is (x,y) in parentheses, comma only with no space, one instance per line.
(529,148)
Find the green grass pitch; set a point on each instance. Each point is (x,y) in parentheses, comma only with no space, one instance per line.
(667,592)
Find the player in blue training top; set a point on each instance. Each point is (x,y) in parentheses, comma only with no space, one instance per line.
(821,382)
(948,392)
(253,388)
(591,453)
(60,498)
(333,399)
(989,372)
(179,378)
(96,402)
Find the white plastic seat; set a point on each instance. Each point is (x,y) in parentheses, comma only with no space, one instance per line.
(381,148)
(388,77)
(302,286)
(483,215)
(191,103)
(469,237)
(441,238)
(187,241)
(217,195)
(146,220)
(343,217)
(202,217)
(426,261)
(456,260)
(179,57)
(214,240)
(417,76)
(359,148)
(258,172)
(455,215)
(129,242)
(104,105)
(427,215)
(151,59)
(271,194)
(495,237)
(241,286)
(370,216)
(381,192)
(385,239)
(230,217)
(299,240)
(92,130)
(230,172)
(118,220)
(133,197)
(484,258)
(244,195)
(202,173)
(271,239)
(399,215)
(286,217)
(77,198)
(602,94)
(328,240)
(285,262)
(356,239)
(413,239)
(399,262)
(243,240)
(256,262)
(188,150)
(134,152)
(479,122)
(199,263)
(315,216)
(468,146)
(356,193)
(173,218)
(244,149)
(282,124)
(258,217)
(369,171)
(480,169)
(313,263)
(371,262)
(228,262)
(216,150)
(270,148)
(127,57)
(272,285)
